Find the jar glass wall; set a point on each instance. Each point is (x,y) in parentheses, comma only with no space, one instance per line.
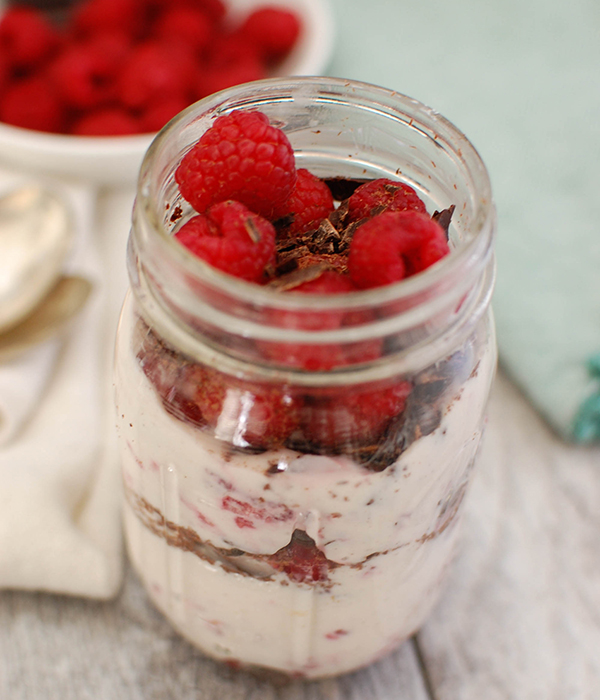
(297,519)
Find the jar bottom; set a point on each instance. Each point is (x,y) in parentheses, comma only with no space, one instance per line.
(314,643)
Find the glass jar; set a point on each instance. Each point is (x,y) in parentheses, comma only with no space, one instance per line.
(302,520)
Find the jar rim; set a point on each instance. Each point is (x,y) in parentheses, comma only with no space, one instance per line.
(474,252)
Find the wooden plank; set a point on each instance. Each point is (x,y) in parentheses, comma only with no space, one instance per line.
(521,616)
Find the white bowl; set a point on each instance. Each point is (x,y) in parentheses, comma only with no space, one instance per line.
(116,160)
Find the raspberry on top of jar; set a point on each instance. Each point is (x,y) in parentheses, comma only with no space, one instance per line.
(259,218)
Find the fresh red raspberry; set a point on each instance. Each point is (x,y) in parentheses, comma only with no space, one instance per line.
(394,245)
(215,10)
(4,73)
(109,121)
(309,203)
(378,195)
(174,380)
(273,30)
(229,49)
(312,356)
(247,414)
(32,103)
(92,16)
(26,37)
(231,238)
(111,49)
(81,77)
(240,157)
(153,72)
(228,67)
(187,24)
(352,416)
(159,113)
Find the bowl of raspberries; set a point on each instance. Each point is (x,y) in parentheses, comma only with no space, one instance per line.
(85,85)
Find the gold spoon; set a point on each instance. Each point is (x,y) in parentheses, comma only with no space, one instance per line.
(36,300)
(51,315)
(36,233)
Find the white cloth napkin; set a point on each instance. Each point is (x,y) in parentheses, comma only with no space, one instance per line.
(22,382)
(60,527)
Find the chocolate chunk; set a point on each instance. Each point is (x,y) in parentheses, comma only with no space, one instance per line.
(342,188)
(284,222)
(443,218)
(326,238)
(417,420)
(252,230)
(338,216)
(297,277)
(176,214)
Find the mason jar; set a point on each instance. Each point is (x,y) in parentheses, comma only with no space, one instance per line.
(297,519)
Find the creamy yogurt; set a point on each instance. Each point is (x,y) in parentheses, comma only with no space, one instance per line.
(205,525)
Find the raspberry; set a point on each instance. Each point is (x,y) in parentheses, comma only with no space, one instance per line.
(375,196)
(240,157)
(224,70)
(214,9)
(92,16)
(273,31)
(309,203)
(184,24)
(26,37)
(313,357)
(394,245)
(154,72)
(301,559)
(81,77)
(174,380)
(4,73)
(158,114)
(32,104)
(231,238)
(111,49)
(111,121)
(352,417)
(245,413)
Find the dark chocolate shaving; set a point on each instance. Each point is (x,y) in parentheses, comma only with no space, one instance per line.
(297,277)
(176,214)
(342,188)
(252,230)
(338,216)
(284,222)
(417,420)
(443,218)
(326,238)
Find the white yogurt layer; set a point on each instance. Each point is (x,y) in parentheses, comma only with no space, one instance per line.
(391,533)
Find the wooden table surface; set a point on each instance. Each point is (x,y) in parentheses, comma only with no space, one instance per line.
(520,617)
